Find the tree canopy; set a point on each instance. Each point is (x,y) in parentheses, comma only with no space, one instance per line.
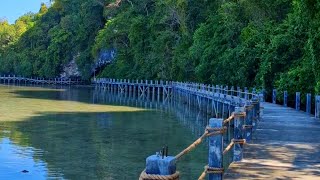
(271,43)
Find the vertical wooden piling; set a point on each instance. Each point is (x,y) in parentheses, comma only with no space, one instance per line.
(308,103)
(248,122)
(317,107)
(246,97)
(216,149)
(148,90)
(274,96)
(232,91)
(158,91)
(285,98)
(255,114)
(298,101)
(238,133)
(238,91)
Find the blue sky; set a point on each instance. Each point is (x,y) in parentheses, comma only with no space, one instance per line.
(13,9)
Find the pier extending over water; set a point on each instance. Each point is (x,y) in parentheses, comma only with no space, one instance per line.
(248,138)
(38,81)
(235,116)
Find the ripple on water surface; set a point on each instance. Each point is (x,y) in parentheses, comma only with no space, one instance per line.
(22,162)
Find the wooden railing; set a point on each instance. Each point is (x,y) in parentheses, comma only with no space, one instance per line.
(35,80)
(310,107)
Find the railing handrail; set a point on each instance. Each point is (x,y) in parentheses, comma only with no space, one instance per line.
(185,84)
(41,80)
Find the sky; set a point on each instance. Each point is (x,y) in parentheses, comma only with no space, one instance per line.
(13,9)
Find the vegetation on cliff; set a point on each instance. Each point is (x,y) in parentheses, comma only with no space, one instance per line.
(271,43)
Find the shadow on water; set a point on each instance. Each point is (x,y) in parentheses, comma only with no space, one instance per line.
(63,93)
(99,145)
(107,145)
(189,116)
(92,95)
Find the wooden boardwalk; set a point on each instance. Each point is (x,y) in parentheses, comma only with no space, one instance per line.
(286,145)
(36,81)
(235,115)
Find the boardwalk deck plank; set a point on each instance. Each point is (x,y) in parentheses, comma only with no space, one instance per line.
(286,145)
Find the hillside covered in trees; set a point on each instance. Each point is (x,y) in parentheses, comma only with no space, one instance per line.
(270,43)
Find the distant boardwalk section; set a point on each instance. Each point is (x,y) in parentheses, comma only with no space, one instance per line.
(24,80)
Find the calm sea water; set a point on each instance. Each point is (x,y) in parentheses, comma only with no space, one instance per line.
(83,133)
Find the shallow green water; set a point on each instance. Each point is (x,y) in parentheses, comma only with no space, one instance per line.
(88,134)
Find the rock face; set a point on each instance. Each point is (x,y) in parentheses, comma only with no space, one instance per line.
(70,70)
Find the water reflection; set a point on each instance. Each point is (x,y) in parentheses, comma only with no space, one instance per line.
(27,158)
(99,145)
(187,115)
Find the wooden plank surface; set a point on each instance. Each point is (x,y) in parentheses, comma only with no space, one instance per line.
(286,145)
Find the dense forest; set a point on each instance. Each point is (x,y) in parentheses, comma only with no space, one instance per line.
(270,43)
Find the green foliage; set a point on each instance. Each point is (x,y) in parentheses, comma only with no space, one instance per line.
(42,43)
(268,44)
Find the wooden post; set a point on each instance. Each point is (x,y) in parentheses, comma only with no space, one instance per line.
(248,122)
(140,88)
(163,91)
(216,149)
(111,86)
(161,165)
(261,97)
(167,165)
(153,90)
(129,89)
(255,116)
(298,101)
(125,87)
(134,86)
(308,104)
(317,107)
(232,91)
(238,91)
(238,134)
(263,91)
(158,94)
(274,96)
(285,98)
(246,97)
